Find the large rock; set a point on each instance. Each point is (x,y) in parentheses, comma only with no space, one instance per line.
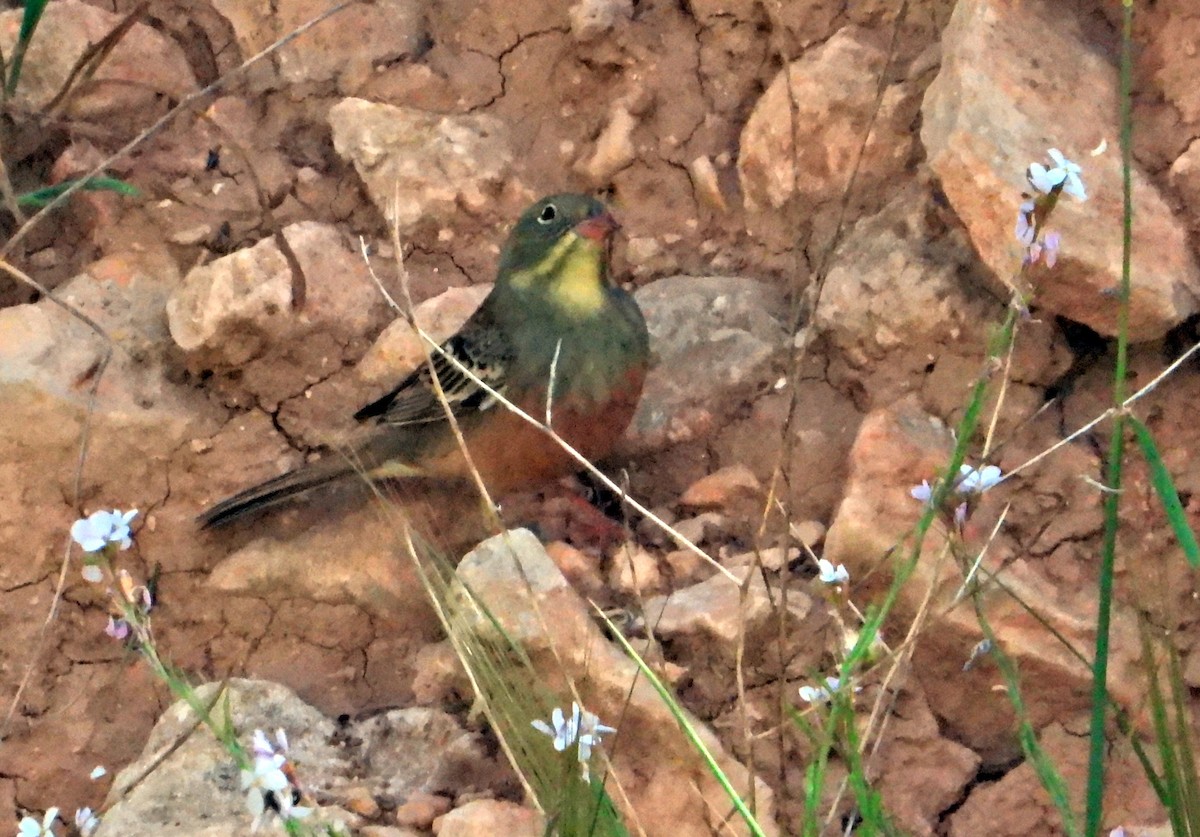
(907,309)
(421,167)
(897,448)
(1170,55)
(986,121)
(804,140)
(384,32)
(237,313)
(186,784)
(523,590)
(142,66)
(1017,804)
(715,339)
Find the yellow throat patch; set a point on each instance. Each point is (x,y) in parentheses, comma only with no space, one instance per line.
(572,272)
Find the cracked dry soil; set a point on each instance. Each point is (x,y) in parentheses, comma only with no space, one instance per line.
(689,76)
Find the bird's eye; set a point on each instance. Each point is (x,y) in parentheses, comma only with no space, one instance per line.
(548,214)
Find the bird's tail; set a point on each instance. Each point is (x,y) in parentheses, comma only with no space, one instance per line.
(277,490)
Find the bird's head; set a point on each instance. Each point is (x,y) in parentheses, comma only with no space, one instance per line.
(558,251)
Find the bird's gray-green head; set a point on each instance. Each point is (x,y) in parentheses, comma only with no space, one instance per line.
(557,252)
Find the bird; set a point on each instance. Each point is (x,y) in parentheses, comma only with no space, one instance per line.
(555,329)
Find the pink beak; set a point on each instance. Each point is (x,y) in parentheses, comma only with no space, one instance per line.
(598,228)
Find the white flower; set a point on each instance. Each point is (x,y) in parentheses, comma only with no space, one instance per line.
(97,772)
(922,492)
(1064,174)
(86,822)
(590,732)
(101,528)
(29,827)
(831,574)
(92,573)
(262,746)
(820,694)
(1071,171)
(971,481)
(267,776)
(1044,179)
(583,729)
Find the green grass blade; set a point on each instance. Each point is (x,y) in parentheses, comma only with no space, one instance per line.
(1097,743)
(688,730)
(1164,486)
(1189,800)
(29,23)
(1163,738)
(40,197)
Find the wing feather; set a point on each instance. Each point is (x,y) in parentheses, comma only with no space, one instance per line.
(480,347)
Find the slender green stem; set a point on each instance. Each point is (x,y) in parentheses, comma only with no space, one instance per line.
(1116,450)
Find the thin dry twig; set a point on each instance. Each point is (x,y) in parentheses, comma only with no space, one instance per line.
(1111,411)
(183,105)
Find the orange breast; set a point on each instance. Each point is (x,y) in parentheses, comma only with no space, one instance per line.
(513,455)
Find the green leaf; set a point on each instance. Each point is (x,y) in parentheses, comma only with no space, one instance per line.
(40,197)
(1165,487)
(29,23)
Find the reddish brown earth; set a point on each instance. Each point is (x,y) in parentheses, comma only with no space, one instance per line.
(178,430)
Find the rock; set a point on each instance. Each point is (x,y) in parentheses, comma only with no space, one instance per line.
(805,143)
(592,18)
(421,809)
(395,353)
(908,311)
(126,85)
(1170,58)
(774,558)
(390,831)
(701,528)
(704,623)
(634,571)
(903,310)
(358,800)
(921,773)
(614,148)
(716,339)
(399,350)
(49,363)
(1184,178)
(486,817)
(673,790)
(579,568)
(438,675)
(722,488)
(420,750)
(237,312)
(385,32)
(809,532)
(711,615)
(1017,805)
(422,168)
(896,448)
(706,185)
(685,566)
(984,124)
(197,781)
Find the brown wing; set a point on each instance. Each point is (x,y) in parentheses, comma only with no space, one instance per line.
(480,347)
